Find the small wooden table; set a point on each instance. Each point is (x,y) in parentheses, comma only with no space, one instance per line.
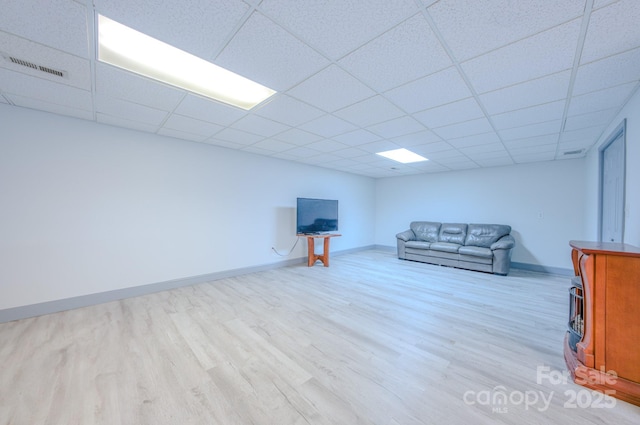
(313,257)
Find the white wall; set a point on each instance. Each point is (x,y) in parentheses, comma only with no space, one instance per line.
(513,195)
(631,112)
(89,208)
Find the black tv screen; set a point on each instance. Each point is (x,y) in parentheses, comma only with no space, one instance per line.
(316,215)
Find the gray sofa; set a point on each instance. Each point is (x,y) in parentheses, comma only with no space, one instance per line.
(481,247)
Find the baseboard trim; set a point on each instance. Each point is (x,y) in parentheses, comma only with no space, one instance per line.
(542,269)
(56,306)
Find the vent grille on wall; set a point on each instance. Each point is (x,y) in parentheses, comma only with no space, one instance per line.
(37,67)
(575,152)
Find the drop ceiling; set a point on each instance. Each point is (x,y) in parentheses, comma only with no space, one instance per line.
(465,83)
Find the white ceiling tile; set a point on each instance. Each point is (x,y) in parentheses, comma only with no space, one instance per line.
(496,149)
(464,165)
(608,72)
(266,53)
(303,152)
(208,110)
(287,110)
(123,109)
(125,85)
(224,143)
(535,114)
(452,113)
(612,29)
(351,153)
(457,159)
(431,148)
(590,134)
(258,125)
(474,140)
(61,24)
(357,137)
(14,83)
(191,125)
(297,136)
(549,139)
(413,139)
(538,149)
(535,92)
(533,157)
(397,127)
(405,53)
(328,126)
(467,128)
(3,99)
(199,27)
(600,3)
(598,118)
(371,111)
(184,135)
(320,159)
(326,145)
(450,154)
(273,145)
(331,89)
(336,27)
(494,162)
(539,129)
(539,55)
(602,99)
(379,146)
(237,136)
(77,71)
(127,123)
(473,27)
(434,90)
(41,105)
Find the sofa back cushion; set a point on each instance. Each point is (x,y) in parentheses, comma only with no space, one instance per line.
(425,230)
(485,234)
(453,233)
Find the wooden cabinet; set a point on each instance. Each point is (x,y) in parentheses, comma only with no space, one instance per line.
(607,357)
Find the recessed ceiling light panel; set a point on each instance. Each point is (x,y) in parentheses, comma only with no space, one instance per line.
(403,155)
(134,51)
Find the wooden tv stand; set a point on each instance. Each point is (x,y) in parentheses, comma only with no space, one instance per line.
(607,356)
(313,257)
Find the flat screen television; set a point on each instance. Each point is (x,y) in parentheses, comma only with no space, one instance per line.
(316,215)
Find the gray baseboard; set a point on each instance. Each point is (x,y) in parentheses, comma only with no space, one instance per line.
(56,306)
(33,310)
(542,269)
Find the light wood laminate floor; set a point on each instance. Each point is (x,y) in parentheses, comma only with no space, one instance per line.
(369,340)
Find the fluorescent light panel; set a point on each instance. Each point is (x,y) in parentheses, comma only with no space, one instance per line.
(134,51)
(402,155)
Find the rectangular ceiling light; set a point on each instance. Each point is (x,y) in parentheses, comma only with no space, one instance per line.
(402,155)
(134,51)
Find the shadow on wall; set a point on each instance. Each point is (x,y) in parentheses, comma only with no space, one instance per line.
(285,228)
(520,252)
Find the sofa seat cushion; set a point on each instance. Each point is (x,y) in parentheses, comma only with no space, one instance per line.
(417,244)
(476,251)
(445,247)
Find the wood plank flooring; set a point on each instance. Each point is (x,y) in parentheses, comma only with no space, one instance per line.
(369,340)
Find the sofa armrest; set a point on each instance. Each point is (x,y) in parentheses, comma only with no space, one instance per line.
(407,235)
(505,242)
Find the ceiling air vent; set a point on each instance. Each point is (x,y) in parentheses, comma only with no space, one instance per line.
(37,67)
(575,152)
